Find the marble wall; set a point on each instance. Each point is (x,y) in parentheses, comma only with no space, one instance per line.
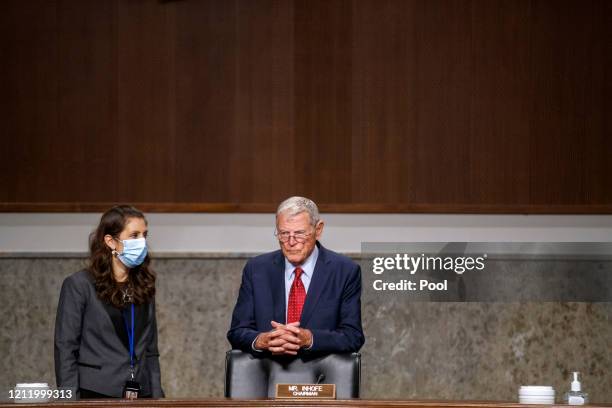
(425,350)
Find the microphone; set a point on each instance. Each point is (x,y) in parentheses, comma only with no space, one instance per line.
(320,378)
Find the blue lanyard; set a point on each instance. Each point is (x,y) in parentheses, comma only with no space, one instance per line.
(130,334)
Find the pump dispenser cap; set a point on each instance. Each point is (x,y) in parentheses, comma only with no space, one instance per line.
(575,383)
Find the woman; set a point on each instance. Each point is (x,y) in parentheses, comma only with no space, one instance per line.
(106,330)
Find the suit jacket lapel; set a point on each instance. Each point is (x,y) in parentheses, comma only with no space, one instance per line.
(141,316)
(277,283)
(318,282)
(118,323)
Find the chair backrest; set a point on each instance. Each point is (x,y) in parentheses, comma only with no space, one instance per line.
(247,376)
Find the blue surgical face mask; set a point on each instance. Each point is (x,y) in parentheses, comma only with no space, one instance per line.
(134,252)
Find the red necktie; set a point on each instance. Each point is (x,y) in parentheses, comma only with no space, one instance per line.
(297,296)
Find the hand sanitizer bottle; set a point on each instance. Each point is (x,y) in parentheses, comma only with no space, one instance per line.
(575,396)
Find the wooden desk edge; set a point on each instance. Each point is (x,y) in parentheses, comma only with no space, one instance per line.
(276,403)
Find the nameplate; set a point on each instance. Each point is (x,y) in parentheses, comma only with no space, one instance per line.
(309,391)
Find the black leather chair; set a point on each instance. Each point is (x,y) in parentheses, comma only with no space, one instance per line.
(247,376)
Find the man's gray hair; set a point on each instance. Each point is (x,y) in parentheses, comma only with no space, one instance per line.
(297,205)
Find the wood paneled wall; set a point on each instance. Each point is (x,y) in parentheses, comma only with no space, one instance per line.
(482,106)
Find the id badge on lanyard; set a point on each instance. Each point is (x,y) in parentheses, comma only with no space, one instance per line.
(131,389)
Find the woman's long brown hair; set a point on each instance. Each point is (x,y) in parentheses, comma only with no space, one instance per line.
(141,279)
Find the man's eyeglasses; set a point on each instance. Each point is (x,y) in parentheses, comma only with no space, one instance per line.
(299,236)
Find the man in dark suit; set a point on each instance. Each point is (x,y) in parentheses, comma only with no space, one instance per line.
(302,298)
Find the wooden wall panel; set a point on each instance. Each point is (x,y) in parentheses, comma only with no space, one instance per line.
(384,104)
(444,84)
(261,155)
(81,153)
(205,72)
(377,106)
(323,68)
(144,146)
(562,99)
(28,102)
(501,102)
(601,142)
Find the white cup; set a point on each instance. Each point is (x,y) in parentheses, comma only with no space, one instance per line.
(536,394)
(32,393)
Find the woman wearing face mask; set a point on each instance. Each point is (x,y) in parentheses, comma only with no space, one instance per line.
(106,330)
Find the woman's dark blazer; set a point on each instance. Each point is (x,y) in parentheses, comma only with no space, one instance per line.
(91,347)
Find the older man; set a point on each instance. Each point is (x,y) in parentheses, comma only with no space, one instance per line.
(302,298)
